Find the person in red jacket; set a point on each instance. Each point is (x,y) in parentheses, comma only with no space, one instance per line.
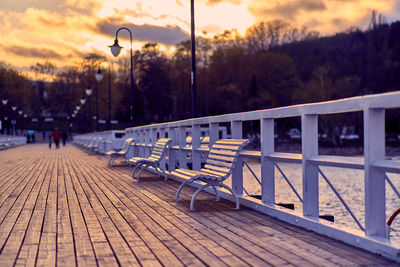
(56,137)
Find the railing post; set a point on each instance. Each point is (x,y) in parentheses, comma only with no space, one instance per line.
(153,136)
(163,162)
(182,145)
(172,133)
(142,151)
(309,146)
(267,165)
(237,174)
(374,149)
(147,138)
(196,156)
(214,133)
(137,139)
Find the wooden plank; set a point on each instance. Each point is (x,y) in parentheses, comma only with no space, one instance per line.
(84,249)
(30,245)
(65,239)
(150,235)
(18,234)
(48,241)
(248,251)
(102,210)
(101,247)
(251,257)
(187,239)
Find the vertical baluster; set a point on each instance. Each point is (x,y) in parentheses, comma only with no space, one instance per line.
(147,139)
(196,156)
(142,141)
(374,149)
(267,165)
(214,133)
(163,162)
(172,159)
(137,138)
(309,146)
(237,174)
(182,144)
(153,136)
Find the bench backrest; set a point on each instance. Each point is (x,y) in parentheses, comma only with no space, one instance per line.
(223,156)
(127,144)
(160,149)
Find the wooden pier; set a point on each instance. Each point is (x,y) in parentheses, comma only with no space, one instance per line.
(64,207)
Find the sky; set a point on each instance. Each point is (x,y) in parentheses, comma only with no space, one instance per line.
(64,31)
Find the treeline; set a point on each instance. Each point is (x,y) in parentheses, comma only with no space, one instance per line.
(273,64)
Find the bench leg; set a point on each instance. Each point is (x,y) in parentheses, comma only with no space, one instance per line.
(111,161)
(196,193)
(179,189)
(142,167)
(216,193)
(233,194)
(134,170)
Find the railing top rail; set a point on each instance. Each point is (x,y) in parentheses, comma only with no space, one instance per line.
(352,104)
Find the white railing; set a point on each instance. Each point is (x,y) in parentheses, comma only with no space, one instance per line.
(12,140)
(372,233)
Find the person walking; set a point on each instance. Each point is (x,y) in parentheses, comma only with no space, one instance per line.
(64,137)
(50,140)
(56,137)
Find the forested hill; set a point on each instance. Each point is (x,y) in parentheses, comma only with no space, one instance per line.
(347,64)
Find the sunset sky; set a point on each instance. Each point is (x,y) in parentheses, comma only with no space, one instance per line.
(62,31)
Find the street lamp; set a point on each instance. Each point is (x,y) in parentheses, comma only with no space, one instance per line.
(115,50)
(4,100)
(14,120)
(99,77)
(193,52)
(88,92)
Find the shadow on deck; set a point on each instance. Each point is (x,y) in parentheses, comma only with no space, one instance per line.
(64,207)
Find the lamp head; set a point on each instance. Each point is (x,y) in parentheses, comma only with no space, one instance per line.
(4,101)
(20,112)
(115,48)
(83,101)
(78,108)
(88,91)
(14,107)
(99,75)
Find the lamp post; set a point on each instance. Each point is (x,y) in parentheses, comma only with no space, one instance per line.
(14,119)
(4,100)
(88,92)
(115,50)
(99,77)
(193,52)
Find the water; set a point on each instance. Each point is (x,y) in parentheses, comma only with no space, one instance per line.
(348,182)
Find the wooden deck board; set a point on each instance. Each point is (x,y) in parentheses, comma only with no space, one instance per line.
(64,207)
